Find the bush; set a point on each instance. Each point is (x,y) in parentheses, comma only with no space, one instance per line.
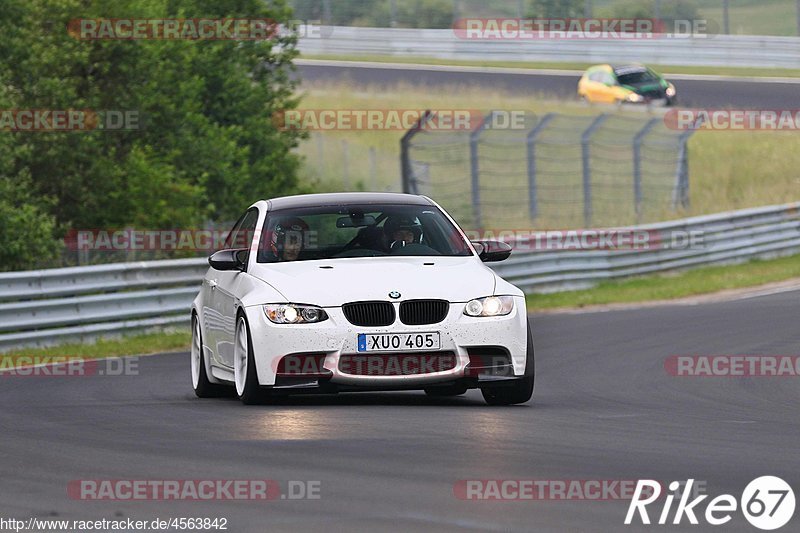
(26,230)
(207,147)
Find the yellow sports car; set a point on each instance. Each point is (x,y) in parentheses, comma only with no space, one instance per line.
(634,84)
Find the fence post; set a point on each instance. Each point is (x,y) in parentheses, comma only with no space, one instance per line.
(726,16)
(373,169)
(680,193)
(533,136)
(346,165)
(320,151)
(474,167)
(637,165)
(587,171)
(406,173)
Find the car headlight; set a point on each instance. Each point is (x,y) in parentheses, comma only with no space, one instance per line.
(489,306)
(635,98)
(671,90)
(294,314)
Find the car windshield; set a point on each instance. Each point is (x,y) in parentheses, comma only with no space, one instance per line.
(634,76)
(358,230)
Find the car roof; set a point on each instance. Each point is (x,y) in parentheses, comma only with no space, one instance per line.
(340,198)
(633,67)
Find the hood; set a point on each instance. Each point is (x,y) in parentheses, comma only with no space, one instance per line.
(330,283)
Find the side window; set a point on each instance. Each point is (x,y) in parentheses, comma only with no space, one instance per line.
(241,236)
(597,76)
(229,239)
(609,79)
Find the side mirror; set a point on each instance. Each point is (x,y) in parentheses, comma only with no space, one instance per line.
(228,260)
(492,251)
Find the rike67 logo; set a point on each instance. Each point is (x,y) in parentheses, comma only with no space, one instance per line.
(767,503)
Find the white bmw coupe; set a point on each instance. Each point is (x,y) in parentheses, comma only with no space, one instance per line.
(329,293)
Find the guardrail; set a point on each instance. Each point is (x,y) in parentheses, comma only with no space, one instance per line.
(43,307)
(727,238)
(79,304)
(712,50)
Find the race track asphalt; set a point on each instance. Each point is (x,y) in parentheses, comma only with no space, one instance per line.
(693,91)
(604,408)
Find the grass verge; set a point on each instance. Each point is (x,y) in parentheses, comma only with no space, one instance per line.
(150,343)
(729,170)
(739,72)
(669,286)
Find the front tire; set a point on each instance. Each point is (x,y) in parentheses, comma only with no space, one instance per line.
(244,366)
(202,386)
(522,390)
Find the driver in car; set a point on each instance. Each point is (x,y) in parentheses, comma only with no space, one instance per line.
(288,238)
(401,231)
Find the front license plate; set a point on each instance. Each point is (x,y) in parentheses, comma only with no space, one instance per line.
(392,342)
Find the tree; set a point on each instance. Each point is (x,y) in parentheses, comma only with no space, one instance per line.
(558,8)
(206,147)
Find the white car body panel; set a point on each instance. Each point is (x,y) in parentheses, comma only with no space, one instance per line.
(360,279)
(456,279)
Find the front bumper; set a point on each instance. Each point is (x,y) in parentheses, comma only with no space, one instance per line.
(460,335)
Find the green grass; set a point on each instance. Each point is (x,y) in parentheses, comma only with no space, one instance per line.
(747,17)
(544,65)
(145,344)
(673,285)
(754,17)
(728,169)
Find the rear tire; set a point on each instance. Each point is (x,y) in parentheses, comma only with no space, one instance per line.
(522,390)
(244,366)
(202,386)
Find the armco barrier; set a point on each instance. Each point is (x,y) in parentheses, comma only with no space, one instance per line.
(78,304)
(731,237)
(43,307)
(713,50)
